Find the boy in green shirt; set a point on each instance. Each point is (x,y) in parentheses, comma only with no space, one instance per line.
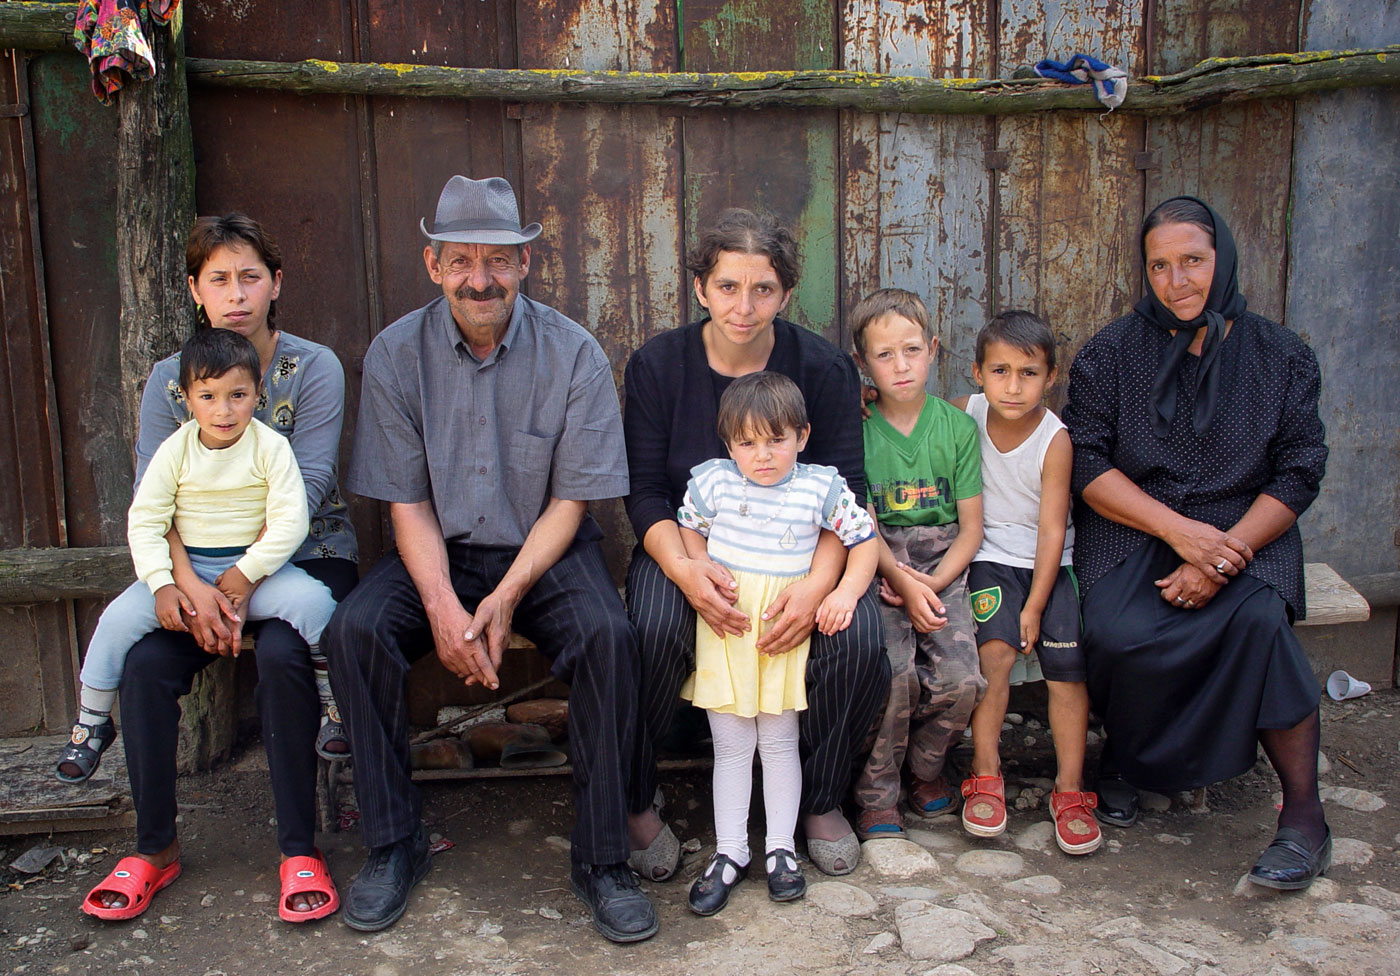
(923,464)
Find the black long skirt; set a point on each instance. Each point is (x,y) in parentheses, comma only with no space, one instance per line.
(1183,693)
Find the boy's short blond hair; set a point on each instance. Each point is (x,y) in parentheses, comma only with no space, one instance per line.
(882,302)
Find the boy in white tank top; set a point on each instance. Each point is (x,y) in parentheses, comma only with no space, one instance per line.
(1021,584)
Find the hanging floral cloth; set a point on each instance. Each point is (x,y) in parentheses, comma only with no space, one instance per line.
(115,37)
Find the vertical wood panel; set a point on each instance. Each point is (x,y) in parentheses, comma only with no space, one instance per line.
(782,161)
(1234,157)
(604,180)
(1344,291)
(36,647)
(1070,200)
(917,190)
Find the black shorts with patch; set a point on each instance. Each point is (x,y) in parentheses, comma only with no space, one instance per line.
(998,593)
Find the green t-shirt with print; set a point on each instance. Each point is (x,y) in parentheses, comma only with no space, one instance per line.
(919,479)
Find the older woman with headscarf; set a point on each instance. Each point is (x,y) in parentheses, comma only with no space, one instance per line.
(1197,445)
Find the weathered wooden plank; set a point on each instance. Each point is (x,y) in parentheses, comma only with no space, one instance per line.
(155,208)
(37,575)
(1331,599)
(604,180)
(1070,200)
(1217,82)
(37,26)
(1344,293)
(1235,157)
(784,161)
(916,188)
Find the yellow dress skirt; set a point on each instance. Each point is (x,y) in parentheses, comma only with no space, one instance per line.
(731,675)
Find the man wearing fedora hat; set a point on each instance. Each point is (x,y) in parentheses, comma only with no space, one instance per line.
(487,422)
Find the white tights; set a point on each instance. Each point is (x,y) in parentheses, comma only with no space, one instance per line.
(734,737)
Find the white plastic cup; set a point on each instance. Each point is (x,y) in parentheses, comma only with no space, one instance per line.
(1341,686)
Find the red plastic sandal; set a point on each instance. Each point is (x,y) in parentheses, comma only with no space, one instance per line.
(138,880)
(301,875)
(984,805)
(1076,830)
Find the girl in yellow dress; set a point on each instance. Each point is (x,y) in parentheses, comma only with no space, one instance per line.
(757,516)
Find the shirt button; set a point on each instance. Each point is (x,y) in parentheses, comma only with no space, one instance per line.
(482,421)
(481,470)
(481,519)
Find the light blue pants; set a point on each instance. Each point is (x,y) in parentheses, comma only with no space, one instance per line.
(290,594)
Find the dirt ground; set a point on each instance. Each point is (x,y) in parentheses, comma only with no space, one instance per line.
(1160,898)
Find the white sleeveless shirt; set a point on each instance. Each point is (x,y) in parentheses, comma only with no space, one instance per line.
(1011,492)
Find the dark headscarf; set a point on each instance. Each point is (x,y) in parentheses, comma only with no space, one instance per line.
(1224,302)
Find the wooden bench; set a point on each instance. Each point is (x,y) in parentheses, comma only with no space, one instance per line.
(1331,599)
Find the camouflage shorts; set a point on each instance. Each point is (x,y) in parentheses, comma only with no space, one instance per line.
(936,680)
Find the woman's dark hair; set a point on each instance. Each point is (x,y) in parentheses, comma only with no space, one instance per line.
(210,353)
(746,232)
(763,402)
(230,230)
(1179,210)
(1024,330)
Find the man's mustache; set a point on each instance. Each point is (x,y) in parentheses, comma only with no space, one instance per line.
(495,291)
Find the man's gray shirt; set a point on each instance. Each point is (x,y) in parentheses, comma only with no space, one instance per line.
(487,441)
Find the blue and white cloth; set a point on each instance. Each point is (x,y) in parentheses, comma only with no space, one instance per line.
(1110,83)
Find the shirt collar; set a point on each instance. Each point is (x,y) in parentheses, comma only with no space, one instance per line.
(459,345)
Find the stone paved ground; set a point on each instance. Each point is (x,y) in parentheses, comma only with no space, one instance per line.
(1161,898)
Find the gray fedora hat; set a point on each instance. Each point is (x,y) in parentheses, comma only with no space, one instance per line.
(479,212)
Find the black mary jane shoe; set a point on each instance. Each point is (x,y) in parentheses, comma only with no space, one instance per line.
(1118,802)
(1289,862)
(785,881)
(709,893)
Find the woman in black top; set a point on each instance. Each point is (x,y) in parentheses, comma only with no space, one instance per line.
(1197,445)
(745,268)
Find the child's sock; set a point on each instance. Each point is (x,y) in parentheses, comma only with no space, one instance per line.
(95,705)
(782,780)
(323,683)
(734,737)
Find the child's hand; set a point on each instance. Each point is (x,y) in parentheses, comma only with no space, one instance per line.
(889,594)
(1030,629)
(169,603)
(234,585)
(835,613)
(926,611)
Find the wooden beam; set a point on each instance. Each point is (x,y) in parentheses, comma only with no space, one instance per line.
(40,575)
(155,210)
(48,26)
(37,26)
(1215,81)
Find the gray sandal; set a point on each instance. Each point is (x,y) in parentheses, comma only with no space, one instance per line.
(660,860)
(834,857)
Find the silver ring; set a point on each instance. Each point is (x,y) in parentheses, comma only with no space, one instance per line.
(1180,600)
(1220,566)
(1189,603)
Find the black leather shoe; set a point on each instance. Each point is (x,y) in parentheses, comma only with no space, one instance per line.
(1118,802)
(785,881)
(1289,862)
(709,893)
(379,894)
(614,897)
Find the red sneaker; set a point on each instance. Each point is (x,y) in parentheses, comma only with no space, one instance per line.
(1076,830)
(984,805)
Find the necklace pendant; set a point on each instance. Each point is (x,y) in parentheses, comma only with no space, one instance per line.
(744,509)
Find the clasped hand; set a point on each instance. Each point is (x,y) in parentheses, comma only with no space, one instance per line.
(914,591)
(471,645)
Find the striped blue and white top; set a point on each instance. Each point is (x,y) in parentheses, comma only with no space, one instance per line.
(776,532)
